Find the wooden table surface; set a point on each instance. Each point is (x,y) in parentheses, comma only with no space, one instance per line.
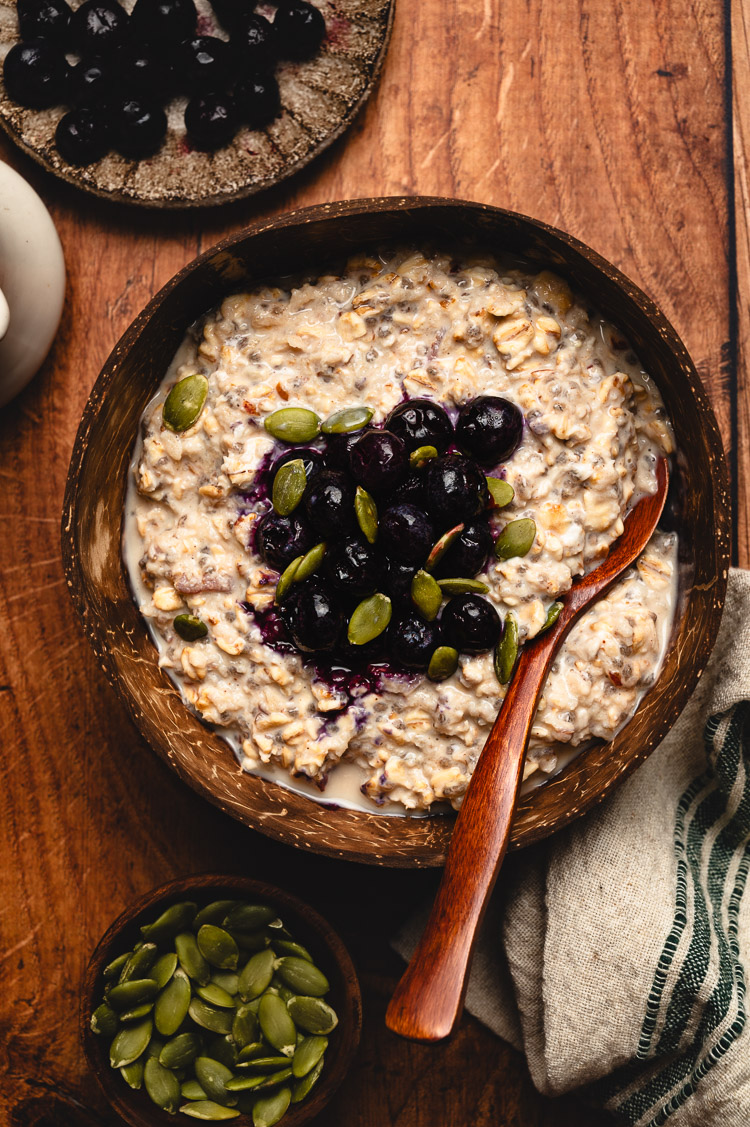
(609,118)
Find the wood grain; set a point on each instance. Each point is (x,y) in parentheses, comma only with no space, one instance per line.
(606,118)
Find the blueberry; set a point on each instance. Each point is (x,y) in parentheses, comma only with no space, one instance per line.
(395,580)
(412,491)
(206,64)
(279,540)
(379,461)
(258,99)
(82,136)
(471,624)
(311,459)
(338,449)
(489,428)
(468,553)
(420,422)
(233,13)
(164,21)
(456,489)
(352,567)
(312,618)
(44,19)
(99,27)
(145,69)
(300,29)
(329,501)
(406,534)
(94,82)
(36,74)
(412,641)
(211,120)
(141,128)
(255,42)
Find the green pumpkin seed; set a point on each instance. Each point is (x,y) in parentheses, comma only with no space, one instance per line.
(426,595)
(263,1064)
(313,1015)
(191,960)
(442,546)
(275,1079)
(249,1052)
(212,1076)
(216,995)
(112,970)
(191,1090)
(155,1047)
(140,963)
(218,947)
(130,1043)
(249,917)
(552,616)
(462,586)
(137,1013)
(501,491)
(180,1051)
(244,1026)
(184,403)
(443,663)
(162,1085)
(347,420)
(207,1109)
(210,1017)
(516,539)
(421,455)
(213,913)
(302,976)
(164,968)
(251,941)
(172,921)
(303,1086)
(293,425)
(289,485)
(289,947)
(245,1083)
(276,1024)
(172,1005)
(286,579)
(224,1050)
(506,651)
(227,979)
(190,627)
(256,975)
(126,995)
(369,619)
(367,514)
(132,1074)
(310,563)
(104,1021)
(307,1054)
(269,1109)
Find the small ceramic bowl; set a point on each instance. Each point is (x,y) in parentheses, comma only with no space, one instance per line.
(307,927)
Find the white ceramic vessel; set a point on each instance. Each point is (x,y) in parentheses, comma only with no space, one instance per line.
(32,282)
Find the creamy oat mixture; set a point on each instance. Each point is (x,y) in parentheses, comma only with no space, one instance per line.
(412,325)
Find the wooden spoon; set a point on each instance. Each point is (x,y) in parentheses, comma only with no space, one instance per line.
(429,998)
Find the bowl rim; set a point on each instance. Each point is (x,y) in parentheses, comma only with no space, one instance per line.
(95,1047)
(364,207)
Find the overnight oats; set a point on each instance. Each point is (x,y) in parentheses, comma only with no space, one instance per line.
(354,499)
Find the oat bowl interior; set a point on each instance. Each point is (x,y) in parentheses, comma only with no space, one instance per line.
(366,307)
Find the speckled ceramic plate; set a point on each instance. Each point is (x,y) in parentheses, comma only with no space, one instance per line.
(320,99)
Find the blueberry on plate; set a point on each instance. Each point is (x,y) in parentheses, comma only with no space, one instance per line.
(312,618)
(329,501)
(83,136)
(351,567)
(489,428)
(211,120)
(378,461)
(94,81)
(420,422)
(258,99)
(312,460)
(279,540)
(406,534)
(395,580)
(300,28)
(471,624)
(36,74)
(141,126)
(99,27)
(456,489)
(44,19)
(206,63)
(143,68)
(411,641)
(164,21)
(255,42)
(468,553)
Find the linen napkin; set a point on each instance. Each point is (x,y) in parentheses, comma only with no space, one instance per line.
(614,954)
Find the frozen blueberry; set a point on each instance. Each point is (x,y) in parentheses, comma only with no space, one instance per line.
(146,69)
(338,448)
(141,128)
(490,429)
(164,21)
(99,27)
(36,74)
(412,491)
(300,29)
(255,42)
(312,618)
(44,19)
(211,120)
(406,534)
(412,641)
(329,501)
(279,540)
(470,624)
(420,422)
(94,82)
(258,99)
(206,64)
(351,566)
(378,461)
(468,553)
(456,489)
(395,580)
(82,136)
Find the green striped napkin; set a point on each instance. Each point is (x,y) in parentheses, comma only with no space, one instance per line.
(615,953)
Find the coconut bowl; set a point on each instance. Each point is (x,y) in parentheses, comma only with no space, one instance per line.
(305,241)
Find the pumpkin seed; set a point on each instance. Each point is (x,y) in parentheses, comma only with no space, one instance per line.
(263,1064)
(104,1021)
(269,1109)
(113,969)
(443,663)
(552,616)
(501,491)
(249,917)
(207,1109)
(227,979)
(251,1051)
(162,1085)
(367,514)
(155,1047)
(215,995)
(251,941)
(137,1013)
(190,627)
(173,920)
(164,968)
(462,586)
(442,546)
(426,595)
(289,947)
(313,1015)
(307,1054)
(303,977)
(276,1024)
(422,454)
(286,579)
(130,1043)
(184,403)
(516,539)
(191,960)
(506,651)
(245,1083)
(276,1078)
(310,563)
(347,420)
(140,963)
(192,1090)
(256,975)
(213,913)
(369,619)
(293,425)
(210,1017)
(172,1005)
(212,1076)
(289,485)
(244,1026)
(126,995)
(180,1051)
(132,1074)
(224,1050)
(303,1086)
